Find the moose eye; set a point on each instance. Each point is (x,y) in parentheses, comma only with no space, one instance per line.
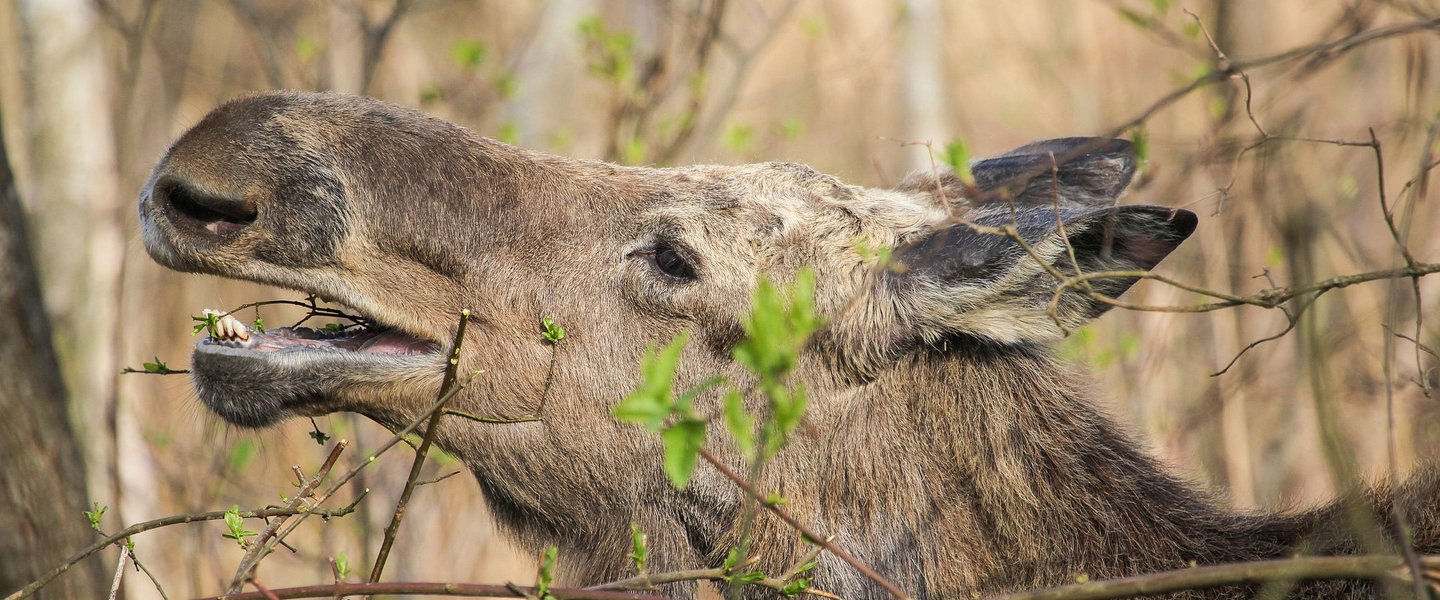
(669,262)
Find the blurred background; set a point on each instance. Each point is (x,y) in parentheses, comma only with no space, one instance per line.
(92,91)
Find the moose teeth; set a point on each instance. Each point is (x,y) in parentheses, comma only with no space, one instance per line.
(227,328)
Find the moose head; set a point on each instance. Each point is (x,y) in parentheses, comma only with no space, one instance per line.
(939,298)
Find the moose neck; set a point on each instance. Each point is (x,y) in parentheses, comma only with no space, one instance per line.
(1052,487)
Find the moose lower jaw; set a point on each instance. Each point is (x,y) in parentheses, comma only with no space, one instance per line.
(305,372)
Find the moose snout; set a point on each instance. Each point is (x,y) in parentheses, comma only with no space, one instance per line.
(198,211)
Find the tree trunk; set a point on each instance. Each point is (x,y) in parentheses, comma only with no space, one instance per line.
(42,483)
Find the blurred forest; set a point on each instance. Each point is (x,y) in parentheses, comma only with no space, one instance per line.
(92,91)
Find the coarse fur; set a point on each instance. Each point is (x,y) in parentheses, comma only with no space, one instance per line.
(944,445)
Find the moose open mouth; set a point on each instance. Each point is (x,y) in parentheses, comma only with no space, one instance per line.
(254,377)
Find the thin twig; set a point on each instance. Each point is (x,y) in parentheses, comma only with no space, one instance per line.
(119,537)
(263,544)
(391,588)
(800,527)
(1200,578)
(393,529)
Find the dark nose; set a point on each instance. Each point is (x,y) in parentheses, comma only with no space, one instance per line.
(198,210)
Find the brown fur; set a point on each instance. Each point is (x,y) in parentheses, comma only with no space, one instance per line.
(944,444)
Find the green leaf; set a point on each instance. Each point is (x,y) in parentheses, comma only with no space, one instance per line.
(740,138)
(651,403)
(639,553)
(236,524)
(552,332)
(957,157)
(546,574)
(320,437)
(97,510)
(506,85)
(683,402)
(208,322)
(795,586)
(731,558)
(259,324)
(468,54)
(509,133)
(1140,138)
(342,565)
(739,422)
(683,442)
(240,454)
(333,328)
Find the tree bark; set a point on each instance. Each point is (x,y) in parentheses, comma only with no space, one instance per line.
(42,483)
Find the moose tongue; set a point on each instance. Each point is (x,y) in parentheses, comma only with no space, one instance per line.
(394,342)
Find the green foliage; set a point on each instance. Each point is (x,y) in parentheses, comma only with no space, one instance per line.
(957,156)
(553,333)
(739,422)
(333,328)
(258,324)
(797,584)
(651,403)
(306,48)
(792,128)
(545,577)
(240,454)
(776,332)
(740,138)
(342,565)
(609,53)
(506,85)
(97,510)
(739,577)
(640,552)
(468,54)
(634,151)
(654,406)
(236,525)
(779,325)
(158,366)
(208,322)
(509,132)
(320,437)
(1140,139)
(683,441)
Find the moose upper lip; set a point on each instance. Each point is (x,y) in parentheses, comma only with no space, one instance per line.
(201,210)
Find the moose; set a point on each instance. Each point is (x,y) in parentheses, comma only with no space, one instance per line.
(944,445)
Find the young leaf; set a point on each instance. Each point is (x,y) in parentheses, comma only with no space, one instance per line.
(546,574)
(639,553)
(957,157)
(652,403)
(739,422)
(552,332)
(93,515)
(683,442)
(208,322)
(236,524)
(342,565)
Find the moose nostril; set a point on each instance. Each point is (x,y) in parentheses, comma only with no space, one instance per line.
(216,214)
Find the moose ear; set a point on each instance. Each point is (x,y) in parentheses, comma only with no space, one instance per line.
(1085,171)
(969,279)
(1074,172)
